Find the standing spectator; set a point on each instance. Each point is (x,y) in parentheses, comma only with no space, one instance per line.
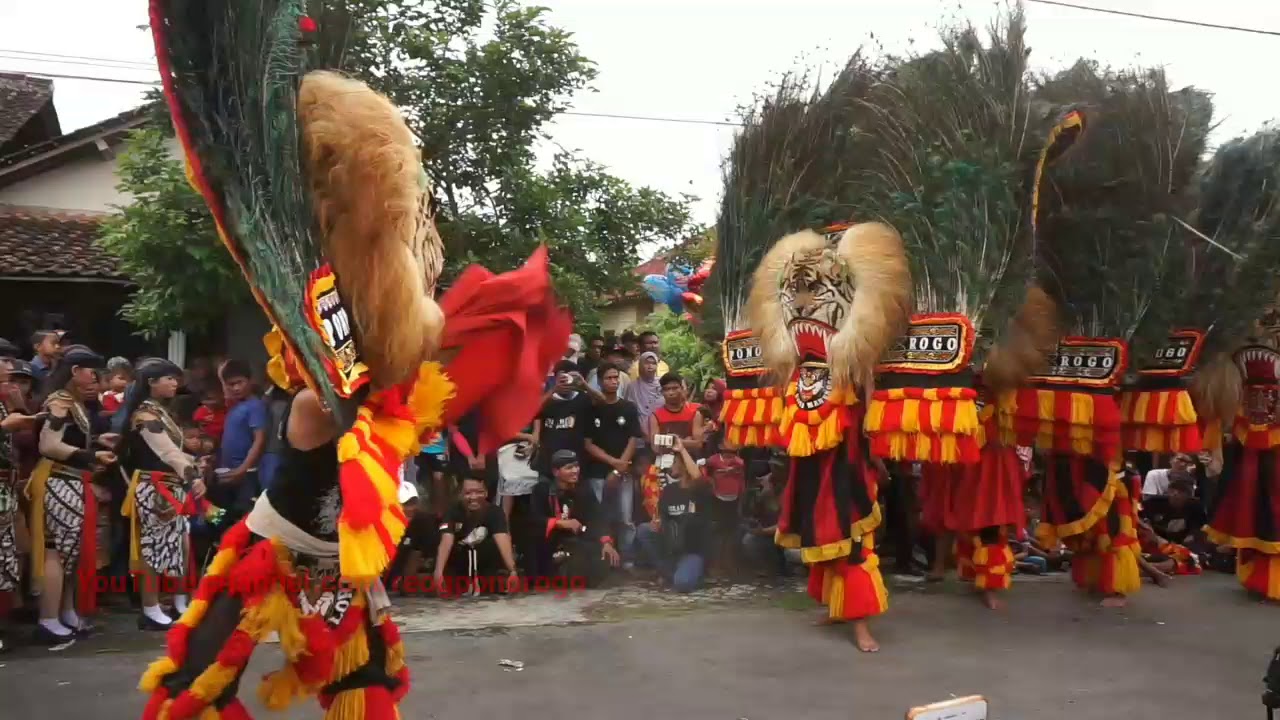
(211,416)
(649,343)
(677,416)
(572,540)
(592,356)
(631,344)
(1157,481)
(463,462)
(615,355)
(713,395)
(46,348)
(645,391)
(678,539)
(727,472)
(561,424)
(244,440)
(277,402)
(611,443)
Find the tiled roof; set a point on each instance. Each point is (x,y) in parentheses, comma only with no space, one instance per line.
(39,243)
(21,97)
(118,124)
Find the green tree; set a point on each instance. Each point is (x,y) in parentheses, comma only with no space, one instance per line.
(697,360)
(478,81)
(167,244)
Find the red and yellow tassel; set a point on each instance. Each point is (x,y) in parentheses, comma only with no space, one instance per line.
(806,432)
(937,425)
(387,430)
(750,417)
(1084,423)
(1160,421)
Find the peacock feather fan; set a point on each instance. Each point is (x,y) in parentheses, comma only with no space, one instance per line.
(1107,243)
(788,169)
(231,71)
(956,143)
(317,188)
(1235,270)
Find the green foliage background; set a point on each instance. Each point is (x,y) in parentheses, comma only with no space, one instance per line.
(478,81)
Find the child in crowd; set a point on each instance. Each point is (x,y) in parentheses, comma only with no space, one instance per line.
(211,416)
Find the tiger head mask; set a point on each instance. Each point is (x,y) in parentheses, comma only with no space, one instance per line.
(831,309)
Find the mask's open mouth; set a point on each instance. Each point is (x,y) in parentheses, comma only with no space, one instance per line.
(812,338)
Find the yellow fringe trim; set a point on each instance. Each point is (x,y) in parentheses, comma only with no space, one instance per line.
(348,705)
(362,554)
(1269,547)
(863,528)
(1049,535)
(157,671)
(1245,569)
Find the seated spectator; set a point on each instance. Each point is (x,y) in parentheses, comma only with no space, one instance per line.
(475,554)
(1177,516)
(760,520)
(573,541)
(727,473)
(1156,483)
(678,540)
(421,538)
(1167,557)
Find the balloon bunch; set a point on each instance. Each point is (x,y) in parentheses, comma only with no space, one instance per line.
(679,286)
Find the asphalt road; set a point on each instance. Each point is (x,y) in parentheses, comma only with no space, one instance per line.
(1196,650)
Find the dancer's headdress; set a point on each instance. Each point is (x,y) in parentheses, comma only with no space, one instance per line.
(956,152)
(318,191)
(1124,151)
(1235,236)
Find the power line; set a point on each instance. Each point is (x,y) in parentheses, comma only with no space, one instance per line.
(612,116)
(4,56)
(1158,18)
(60,76)
(142,63)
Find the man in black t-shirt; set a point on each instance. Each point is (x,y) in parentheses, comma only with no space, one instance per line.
(562,422)
(574,541)
(612,435)
(475,555)
(678,541)
(1177,517)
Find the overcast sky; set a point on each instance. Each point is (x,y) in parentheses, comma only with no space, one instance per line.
(699,59)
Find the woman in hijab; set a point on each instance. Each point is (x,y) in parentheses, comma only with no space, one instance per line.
(646,391)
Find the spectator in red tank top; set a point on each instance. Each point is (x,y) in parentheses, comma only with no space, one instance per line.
(677,416)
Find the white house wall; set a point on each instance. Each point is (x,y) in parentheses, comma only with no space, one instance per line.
(85,184)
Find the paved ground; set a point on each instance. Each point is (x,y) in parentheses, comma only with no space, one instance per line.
(1196,650)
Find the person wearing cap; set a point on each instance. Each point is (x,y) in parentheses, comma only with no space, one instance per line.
(573,541)
(164,489)
(64,507)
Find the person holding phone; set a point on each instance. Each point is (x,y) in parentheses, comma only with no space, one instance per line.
(561,424)
(677,541)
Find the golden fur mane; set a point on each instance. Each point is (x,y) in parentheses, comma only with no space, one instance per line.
(881,306)
(1024,350)
(365,176)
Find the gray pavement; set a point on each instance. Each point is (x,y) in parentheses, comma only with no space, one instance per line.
(1195,650)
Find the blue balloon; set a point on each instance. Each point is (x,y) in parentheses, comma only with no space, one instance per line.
(664,291)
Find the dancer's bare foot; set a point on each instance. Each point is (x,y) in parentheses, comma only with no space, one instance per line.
(1161,578)
(1114,601)
(992,600)
(862,636)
